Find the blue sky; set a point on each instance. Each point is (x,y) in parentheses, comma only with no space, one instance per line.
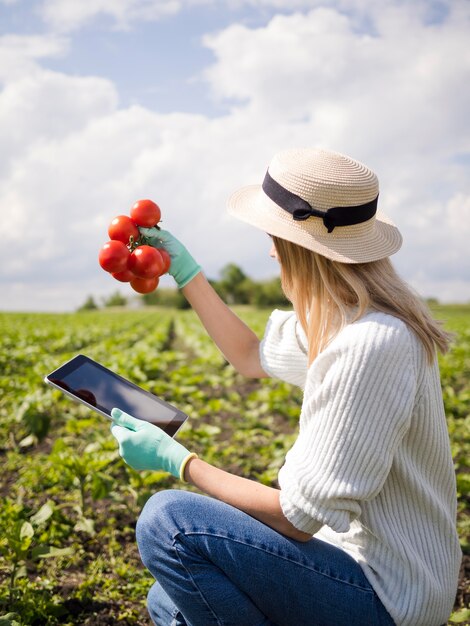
(154,63)
(103,102)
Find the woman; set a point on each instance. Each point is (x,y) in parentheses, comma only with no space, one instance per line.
(362,529)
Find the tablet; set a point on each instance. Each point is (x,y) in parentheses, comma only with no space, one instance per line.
(101,389)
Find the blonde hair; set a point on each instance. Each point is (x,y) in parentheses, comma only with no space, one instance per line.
(323,292)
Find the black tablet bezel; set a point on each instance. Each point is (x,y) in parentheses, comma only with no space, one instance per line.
(56,377)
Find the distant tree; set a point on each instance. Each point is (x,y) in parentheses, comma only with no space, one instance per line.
(232,284)
(234,287)
(269,293)
(115,299)
(88,305)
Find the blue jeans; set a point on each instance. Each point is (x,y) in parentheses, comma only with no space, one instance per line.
(216,565)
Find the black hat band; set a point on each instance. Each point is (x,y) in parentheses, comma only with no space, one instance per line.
(301,210)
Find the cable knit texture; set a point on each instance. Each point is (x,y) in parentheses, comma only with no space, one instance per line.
(371,470)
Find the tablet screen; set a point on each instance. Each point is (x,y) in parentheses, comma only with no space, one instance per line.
(102,389)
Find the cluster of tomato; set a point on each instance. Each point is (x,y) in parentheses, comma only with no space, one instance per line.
(127,257)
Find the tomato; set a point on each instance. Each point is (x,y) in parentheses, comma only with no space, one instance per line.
(113,256)
(146,262)
(166,259)
(124,277)
(122,228)
(144,285)
(146,213)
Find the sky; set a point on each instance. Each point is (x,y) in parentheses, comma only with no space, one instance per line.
(104,102)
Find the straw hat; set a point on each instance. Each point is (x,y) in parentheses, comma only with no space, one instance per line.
(323,201)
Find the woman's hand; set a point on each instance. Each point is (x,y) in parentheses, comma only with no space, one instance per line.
(145,446)
(183,267)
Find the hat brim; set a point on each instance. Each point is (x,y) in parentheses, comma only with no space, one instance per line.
(369,241)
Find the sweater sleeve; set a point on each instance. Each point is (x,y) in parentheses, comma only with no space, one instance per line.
(357,407)
(283,349)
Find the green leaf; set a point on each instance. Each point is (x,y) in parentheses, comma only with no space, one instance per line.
(86,525)
(26,536)
(43,514)
(26,531)
(92,447)
(21,572)
(101,485)
(463,484)
(28,441)
(10,619)
(459,617)
(46,552)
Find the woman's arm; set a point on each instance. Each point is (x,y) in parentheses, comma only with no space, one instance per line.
(145,446)
(240,347)
(259,501)
(237,342)
(234,339)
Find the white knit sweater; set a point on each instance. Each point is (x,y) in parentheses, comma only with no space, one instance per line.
(371,470)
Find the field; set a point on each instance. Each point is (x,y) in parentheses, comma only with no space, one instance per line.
(68,502)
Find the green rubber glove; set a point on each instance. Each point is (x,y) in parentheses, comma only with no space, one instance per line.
(183,267)
(145,446)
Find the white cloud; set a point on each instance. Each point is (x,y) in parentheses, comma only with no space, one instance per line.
(99,171)
(394,100)
(458,209)
(46,106)
(19,53)
(69,15)
(315,67)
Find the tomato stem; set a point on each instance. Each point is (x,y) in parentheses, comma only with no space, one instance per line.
(135,243)
(131,244)
(140,241)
